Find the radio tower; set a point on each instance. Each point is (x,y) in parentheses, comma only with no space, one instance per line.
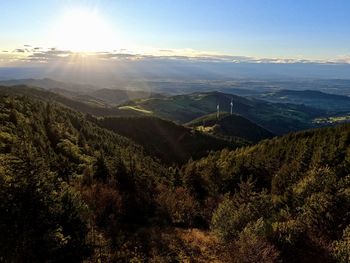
(231,104)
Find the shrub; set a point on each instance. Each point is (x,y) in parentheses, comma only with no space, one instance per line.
(105,203)
(228,221)
(178,205)
(287,233)
(341,248)
(234,213)
(252,246)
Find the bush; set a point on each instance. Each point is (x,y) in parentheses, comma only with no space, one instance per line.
(317,213)
(252,245)
(287,233)
(341,248)
(234,213)
(177,205)
(228,221)
(105,203)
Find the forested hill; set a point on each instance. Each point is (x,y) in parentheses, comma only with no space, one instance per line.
(61,175)
(72,191)
(291,154)
(57,132)
(171,143)
(228,126)
(276,117)
(91,107)
(313,98)
(305,206)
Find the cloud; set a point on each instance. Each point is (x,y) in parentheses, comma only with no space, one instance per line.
(166,50)
(42,55)
(19,50)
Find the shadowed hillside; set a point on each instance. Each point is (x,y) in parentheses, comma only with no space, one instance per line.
(166,140)
(228,126)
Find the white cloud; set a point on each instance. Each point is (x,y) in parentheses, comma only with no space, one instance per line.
(31,54)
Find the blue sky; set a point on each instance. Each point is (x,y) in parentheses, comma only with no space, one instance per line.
(310,29)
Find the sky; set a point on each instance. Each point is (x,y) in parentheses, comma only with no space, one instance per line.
(276,30)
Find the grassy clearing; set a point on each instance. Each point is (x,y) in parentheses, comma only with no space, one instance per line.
(135,109)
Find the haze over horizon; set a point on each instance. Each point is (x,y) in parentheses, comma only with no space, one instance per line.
(88,33)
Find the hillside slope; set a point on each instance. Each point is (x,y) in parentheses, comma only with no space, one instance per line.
(73,191)
(166,140)
(65,182)
(278,118)
(228,126)
(317,99)
(116,96)
(58,132)
(295,189)
(87,106)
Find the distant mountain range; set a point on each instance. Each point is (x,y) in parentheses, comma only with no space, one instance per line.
(173,69)
(278,112)
(312,98)
(49,84)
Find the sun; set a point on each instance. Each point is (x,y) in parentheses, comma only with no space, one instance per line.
(84,31)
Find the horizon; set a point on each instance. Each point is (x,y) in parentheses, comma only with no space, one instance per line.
(93,32)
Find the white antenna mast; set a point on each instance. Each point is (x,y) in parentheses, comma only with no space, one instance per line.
(217,110)
(231,104)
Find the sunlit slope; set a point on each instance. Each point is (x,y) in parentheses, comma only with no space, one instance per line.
(117,96)
(64,137)
(277,159)
(88,106)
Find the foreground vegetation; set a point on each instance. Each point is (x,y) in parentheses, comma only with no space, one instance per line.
(71,191)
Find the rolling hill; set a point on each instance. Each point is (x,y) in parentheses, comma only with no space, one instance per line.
(83,92)
(316,99)
(277,117)
(93,106)
(228,126)
(117,96)
(157,136)
(49,84)
(166,140)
